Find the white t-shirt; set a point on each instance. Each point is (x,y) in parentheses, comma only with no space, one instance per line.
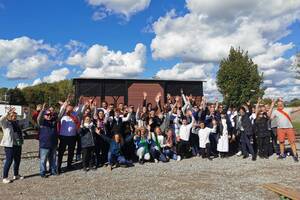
(281,119)
(184,132)
(204,136)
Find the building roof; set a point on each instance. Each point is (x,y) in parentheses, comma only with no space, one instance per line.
(141,80)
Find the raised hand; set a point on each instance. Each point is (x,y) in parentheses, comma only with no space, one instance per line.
(145,95)
(44,106)
(168,96)
(157,98)
(181,91)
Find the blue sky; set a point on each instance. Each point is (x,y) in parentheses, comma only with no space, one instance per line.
(57,22)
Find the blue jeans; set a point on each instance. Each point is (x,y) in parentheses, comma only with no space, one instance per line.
(49,154)
(12,154)
(113,159)
(170,153)
(156,154)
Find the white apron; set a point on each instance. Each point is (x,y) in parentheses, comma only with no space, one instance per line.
(223,142)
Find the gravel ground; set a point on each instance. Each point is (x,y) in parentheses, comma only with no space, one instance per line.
(195,178)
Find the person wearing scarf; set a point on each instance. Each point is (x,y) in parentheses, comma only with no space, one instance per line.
(12,142)
(284,127)
(156,139)
(142,145)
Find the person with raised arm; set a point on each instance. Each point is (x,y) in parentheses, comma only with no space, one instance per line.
(245,129)
(115,154)
(204,143)
(285,127)
(183,136)
(69,124)
(48,140)
(12,142)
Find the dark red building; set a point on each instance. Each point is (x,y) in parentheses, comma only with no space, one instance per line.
(130,91)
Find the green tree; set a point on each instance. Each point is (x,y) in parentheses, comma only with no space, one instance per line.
(16,97)
(238,79)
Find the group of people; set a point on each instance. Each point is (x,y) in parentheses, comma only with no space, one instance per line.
(119,135)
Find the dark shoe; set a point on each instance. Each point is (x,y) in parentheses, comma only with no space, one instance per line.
(86,169)
(141,161)
(281,157)
(94,168)
(296,158)
(70,167)
(254,158)
(44,176)
(244,157)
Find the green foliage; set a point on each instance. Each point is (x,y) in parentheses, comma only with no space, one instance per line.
(238,79)
(16,97)
(294,103)
(49,93)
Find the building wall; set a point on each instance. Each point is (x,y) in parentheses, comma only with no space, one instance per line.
(135,93)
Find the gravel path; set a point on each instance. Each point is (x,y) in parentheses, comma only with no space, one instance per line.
(195,178)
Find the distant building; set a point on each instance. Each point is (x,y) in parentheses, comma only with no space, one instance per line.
(130,91)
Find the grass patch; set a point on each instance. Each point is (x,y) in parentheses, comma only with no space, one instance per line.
(297,126)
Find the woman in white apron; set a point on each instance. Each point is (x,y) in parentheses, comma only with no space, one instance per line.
(223,142)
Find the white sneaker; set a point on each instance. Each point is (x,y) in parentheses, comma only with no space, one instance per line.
(18,177)
(178,158)
(6,181)
(239,153)
(155,160)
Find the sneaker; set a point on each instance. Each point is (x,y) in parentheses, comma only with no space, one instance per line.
(155,160)
(178,158)
(109,167)
(6,181)
(44,176)
(244,157)
(254,158)
(18,177)
(239,153)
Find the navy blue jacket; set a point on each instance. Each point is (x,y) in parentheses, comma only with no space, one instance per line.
(48,135)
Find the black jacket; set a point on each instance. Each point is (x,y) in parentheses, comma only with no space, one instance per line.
(86,137)
(261,127)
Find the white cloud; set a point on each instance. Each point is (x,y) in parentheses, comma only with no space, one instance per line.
(210,27)
(191,71)
(27,67)
(99,61)
(126,8)
(24,56)
(22,85)
(57,75)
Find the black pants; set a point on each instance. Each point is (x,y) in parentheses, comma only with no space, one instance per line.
(65,141)
(12,154)
(183,149)
(206,152)
(213,139)
(274,141)
(78,142)
(246,145)
(87,156)
(263,146)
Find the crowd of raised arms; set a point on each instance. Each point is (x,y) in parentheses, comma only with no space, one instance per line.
(121,136)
